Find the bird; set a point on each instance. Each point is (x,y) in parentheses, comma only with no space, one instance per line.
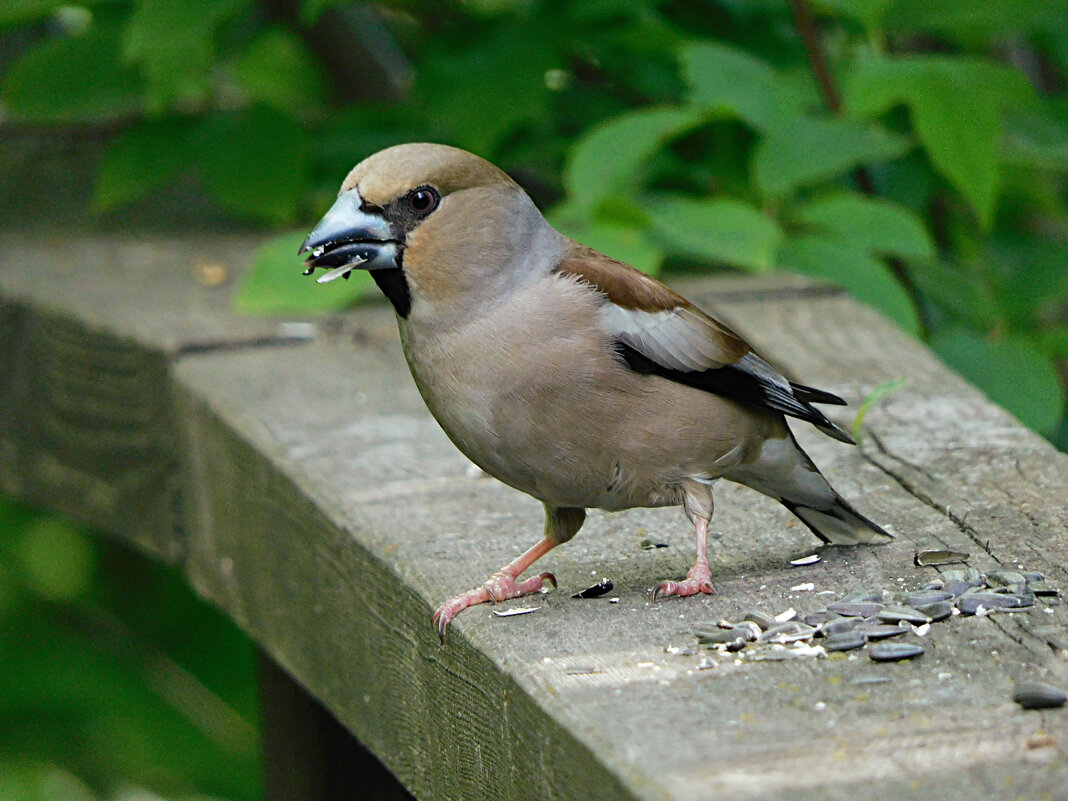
(566,374)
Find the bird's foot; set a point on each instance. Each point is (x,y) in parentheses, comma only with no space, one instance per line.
(699,579)
(500,587)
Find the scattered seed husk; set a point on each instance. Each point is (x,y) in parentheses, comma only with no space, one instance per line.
(921,631)
(651,545)
(931,557)
(920,599)
(880,631)
(737,645)
(937,584)
(937,611)
(519,610)
(791,631)
(720,637)
(602,587)
(857,609)
(581,670)
(801,561)
(789,614)
(845,641)
(761,618)
(808,586)
(901,614)
(1034,575)
(1035,695)
(832,628)
(894,651)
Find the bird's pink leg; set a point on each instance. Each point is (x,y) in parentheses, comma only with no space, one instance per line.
(699,579)
(501,586)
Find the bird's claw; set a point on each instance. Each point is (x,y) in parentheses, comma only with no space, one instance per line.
(499,587)
(698,580)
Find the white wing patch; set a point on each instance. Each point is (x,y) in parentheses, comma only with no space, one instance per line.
(677,339)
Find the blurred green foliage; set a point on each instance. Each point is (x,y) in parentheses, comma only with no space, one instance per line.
(117,682)
(914,152)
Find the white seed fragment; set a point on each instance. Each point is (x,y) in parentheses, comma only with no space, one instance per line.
(808,586)
(519,610)
(789,614)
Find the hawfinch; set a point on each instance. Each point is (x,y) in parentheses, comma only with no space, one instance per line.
(565,373)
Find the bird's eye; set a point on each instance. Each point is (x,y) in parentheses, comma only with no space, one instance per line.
(423,200)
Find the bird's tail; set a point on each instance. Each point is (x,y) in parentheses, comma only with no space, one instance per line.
(786,473)
(839,523)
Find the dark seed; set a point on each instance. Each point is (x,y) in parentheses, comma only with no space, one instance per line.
(939,610)
(817,618)
(855,609)
(863,597)
(846,641)
(1004,578)
(651,545)
(880,631)
(602,587)
(1034,695)
(969,574)
(969,604)
(918,599)
(939,557)
(958,588)
(1042,588)
(937,584)
(761,618)
(894,651)
(901,614)
(737,645)
(1034,576)
(841,625)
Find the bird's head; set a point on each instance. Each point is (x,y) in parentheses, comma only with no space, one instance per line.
(432,223)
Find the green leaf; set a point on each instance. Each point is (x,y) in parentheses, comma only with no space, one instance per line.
(140,160)
(975,19)
(74,79)
(846,264)
(278,69)
(172,42)
(255,162)
(726,79)
(608,158)
(721,230)
(1011,370)
(959,290)
(274,284)
(955,104)
(311,10)
(813,149)
(1036,139)
(878,226)
(869,13)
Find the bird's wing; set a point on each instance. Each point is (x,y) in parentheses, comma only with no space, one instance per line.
(658,331)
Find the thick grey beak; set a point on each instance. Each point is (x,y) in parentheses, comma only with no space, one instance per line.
(347,239)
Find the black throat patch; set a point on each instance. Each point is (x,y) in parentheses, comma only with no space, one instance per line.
(395,287)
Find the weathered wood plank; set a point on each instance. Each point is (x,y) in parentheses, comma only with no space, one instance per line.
(89,328)
(321,507)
